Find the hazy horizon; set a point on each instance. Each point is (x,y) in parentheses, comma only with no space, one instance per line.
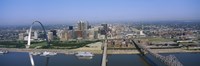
(70,11)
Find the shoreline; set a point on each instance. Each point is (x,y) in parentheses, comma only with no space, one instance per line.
(72,51)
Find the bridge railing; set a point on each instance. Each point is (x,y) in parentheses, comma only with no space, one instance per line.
(169,60)
(104,58)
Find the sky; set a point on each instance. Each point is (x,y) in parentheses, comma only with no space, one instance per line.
(69,11)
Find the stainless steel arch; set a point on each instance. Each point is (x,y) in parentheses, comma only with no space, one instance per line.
(29,34)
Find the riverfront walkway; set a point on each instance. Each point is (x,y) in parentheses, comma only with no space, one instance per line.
(66,51)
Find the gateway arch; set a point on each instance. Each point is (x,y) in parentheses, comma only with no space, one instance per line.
(29,34)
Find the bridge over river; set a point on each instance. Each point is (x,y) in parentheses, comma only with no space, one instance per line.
(169,60)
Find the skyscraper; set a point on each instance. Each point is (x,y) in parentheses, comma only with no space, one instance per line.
(105,26)
(50,36)
(79,34)
(35,34)
(91,34)
(64,35)
(82,30)
(21,36)
(82,25)
(54,32)
(71,28)
(104,30)
(71,34)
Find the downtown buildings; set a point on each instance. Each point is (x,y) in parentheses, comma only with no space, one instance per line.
(83,31)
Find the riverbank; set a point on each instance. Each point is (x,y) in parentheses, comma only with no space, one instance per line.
(71,51)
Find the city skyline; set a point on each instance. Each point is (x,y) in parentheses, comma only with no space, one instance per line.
(70,11)
(99,32)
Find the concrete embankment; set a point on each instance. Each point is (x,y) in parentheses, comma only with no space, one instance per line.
(67,51)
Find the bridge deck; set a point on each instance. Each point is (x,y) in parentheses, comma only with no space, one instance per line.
(170,60)
(104,58)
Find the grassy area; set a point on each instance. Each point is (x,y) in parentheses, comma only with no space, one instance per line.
(70,44)
(33,45)
(12,44)
(43,44)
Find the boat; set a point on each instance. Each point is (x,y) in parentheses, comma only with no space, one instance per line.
(48,53)
(85,58)
(6,52)
(52,53)
(3,51)
(84,54)
(35,53)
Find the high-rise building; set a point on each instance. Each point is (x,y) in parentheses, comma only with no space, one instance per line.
(35,34)
(104,30)
(64,35)
(71,34)
(95,34)
(59,33)
(82,30)
(71,28)
(79,34)
(82,25)
(50,36)
(91,34)
(88,26)
(54,32)
(85,34)
(105,26)
(21,36)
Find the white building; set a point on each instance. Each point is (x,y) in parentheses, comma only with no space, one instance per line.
(142,34)
(21,36)
(50,36)
(35,34)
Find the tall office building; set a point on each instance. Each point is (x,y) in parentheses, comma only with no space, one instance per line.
(64,35)
(59,33)
(91,34)
(88,25)
(71,34)
(82,25)
(35,34)
(79,34)
(95,34)
(21,36)
(50,36)
(85,34)
(71,28)
(105,26)
(82,30)
(54,32)
(104,30)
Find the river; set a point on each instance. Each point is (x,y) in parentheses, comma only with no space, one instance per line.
(22,59)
